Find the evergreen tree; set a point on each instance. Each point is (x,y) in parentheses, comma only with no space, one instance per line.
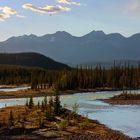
(57,105)
(38,105)
(27,103)
(51,103)
(45,102)
(11,118)
(42,106)
(31,102)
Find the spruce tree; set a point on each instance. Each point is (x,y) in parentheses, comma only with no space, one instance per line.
(27,103)
(31,102)
(45,102)
(57,105)
(11,118)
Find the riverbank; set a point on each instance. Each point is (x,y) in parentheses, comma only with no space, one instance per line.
(124,99)
(12,86)
(42,93)
(33,124)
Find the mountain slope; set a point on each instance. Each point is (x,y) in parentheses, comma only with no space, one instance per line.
(30,60)
(62,46)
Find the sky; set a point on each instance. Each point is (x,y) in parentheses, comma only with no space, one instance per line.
(78,17)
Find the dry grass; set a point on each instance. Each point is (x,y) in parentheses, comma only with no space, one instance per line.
(65,127)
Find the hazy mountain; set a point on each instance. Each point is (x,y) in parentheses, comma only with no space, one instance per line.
(30,60)
(63,47)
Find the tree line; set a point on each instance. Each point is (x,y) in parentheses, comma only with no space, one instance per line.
(77,78)
(89,78)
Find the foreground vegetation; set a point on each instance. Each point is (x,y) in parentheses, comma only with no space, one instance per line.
(124,99)
(48,120)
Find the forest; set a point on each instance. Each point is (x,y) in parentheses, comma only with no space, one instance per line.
(31,60)
(116,77)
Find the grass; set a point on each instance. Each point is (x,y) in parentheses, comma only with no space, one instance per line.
(33,124)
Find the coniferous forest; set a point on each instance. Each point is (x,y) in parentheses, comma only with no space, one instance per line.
(77,78)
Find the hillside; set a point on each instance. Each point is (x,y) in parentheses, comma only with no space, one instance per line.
(95,46)
(30,60)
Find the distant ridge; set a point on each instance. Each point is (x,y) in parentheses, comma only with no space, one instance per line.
(95,46)
(30,60)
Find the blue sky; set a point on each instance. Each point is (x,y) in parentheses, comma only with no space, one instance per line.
(78,17)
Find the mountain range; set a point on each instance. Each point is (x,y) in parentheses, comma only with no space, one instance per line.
(61,46)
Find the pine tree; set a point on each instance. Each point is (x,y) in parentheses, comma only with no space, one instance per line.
(57,105)
(27,103)
(51,103)
(38,105)
(11,118)
(45,102)
(31,102)
(42,106)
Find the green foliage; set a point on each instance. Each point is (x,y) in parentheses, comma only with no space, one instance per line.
(57,104)
(63,125)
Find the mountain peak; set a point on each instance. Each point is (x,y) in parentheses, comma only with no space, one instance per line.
(135,36)
(116,36)
(62,33)
(96,34)
(32,35)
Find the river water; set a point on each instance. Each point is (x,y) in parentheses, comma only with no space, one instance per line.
(125,118)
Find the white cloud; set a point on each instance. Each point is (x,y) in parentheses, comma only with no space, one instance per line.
(133,6)
(6,12)
(46,9)
(69,2)
(20,16)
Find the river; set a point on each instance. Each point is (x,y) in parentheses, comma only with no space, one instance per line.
(125,118)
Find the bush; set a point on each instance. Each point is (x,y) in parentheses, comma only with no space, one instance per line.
(63,125)
(49,114)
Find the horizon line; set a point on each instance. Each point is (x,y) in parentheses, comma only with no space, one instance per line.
(70,34)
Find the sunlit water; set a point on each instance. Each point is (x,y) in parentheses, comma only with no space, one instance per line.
(125,118)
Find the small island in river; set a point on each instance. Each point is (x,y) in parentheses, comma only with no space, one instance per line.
(124,99)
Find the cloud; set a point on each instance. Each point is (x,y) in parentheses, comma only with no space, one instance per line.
(132,7)
(69,2)
(20,16)
(6,12)
(46,9)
